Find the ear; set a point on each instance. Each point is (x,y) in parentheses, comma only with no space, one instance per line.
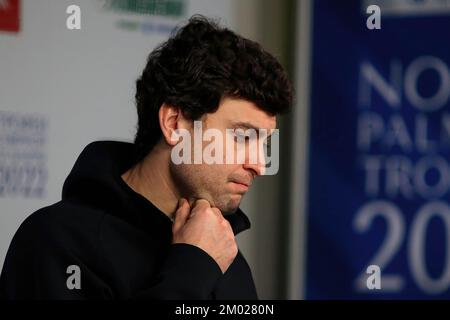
(170,119)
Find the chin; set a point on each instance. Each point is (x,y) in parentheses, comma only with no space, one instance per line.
(232,205)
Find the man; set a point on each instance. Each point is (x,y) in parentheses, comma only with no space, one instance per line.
(134,223)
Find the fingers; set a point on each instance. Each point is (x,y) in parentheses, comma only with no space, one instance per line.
(200,204)
(184,212)
(181,215)
(218,212)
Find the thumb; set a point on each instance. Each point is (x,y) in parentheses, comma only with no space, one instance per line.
(181,215)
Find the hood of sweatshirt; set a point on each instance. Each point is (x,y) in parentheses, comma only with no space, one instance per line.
(95,181)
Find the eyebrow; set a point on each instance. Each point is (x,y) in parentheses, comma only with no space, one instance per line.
(244,124)
(248,125)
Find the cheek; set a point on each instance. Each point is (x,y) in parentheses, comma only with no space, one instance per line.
(213,178)
(221,173)
(201,178)
(204,176)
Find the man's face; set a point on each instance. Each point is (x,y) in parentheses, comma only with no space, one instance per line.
(224,185)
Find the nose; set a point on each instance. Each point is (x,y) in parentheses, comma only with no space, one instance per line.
(257,168)
(254,159)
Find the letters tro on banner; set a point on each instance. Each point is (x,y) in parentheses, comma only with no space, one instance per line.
(379,152)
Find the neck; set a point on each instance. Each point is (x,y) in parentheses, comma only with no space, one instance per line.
(151,179)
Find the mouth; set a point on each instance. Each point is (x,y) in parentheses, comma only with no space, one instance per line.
(241,186)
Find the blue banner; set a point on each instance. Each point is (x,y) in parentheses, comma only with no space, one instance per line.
(379,171)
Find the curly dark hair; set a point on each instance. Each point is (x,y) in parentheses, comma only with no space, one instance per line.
(198,66)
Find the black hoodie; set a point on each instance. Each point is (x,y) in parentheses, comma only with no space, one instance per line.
(119,240)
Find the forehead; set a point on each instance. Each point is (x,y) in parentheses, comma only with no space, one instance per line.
(232,111)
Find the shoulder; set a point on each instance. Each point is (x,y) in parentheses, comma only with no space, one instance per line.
(61,224)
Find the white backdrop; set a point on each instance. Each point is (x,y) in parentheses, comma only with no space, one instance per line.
(61,89)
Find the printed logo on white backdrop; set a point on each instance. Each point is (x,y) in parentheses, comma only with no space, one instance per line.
(9,15)
(147,16)
(23,158)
